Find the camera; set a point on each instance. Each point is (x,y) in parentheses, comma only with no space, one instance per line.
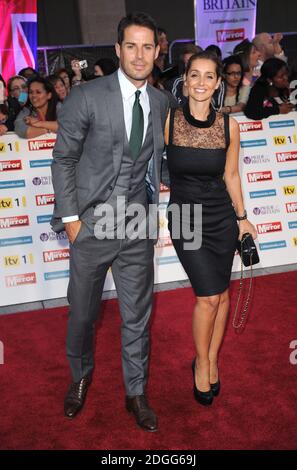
(83,64)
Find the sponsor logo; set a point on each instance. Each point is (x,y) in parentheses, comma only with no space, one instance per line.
(14,221)
(295,241)
(273,245)
(43,219)
(250,126)
(232,5)
(253,143)
(292,224)
(40,163)
(55,255)
(291,207)
(266,210)
(45,199)
(167,260)
(41,144)
(256,159)
(288,123)
(52,236)
(286,156)
(15,241)
(6,203)
(269,227)
(229,35)
(12,146)
(265,193)
(287,174)
(259,176)
(42,180)
(12,184)
(20,279)
(289,190)
(56,275)
(10,165)
(15,260)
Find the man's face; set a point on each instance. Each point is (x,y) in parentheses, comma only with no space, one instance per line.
(137,53)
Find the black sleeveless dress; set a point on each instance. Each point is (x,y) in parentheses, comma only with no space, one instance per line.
(196,157)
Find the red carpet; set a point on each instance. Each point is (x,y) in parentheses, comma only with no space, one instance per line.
(256,409)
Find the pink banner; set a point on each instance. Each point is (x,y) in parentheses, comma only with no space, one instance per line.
(18,35)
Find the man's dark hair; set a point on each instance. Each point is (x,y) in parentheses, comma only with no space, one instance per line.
(161,30)
(138,19)
(214,49)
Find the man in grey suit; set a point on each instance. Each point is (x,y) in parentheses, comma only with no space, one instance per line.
(109,146)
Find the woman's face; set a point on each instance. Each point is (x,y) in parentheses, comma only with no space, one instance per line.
(60,89)
(281,79)
(17,86)
(201,80)
(233,75)
(65,79)
(98,72)
(254,57)
(38,95)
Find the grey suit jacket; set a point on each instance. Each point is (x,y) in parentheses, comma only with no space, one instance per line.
(89,147)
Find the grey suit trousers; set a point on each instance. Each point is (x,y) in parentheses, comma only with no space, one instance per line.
(131,262)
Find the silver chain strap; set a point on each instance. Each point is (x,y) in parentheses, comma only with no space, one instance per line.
(244,312)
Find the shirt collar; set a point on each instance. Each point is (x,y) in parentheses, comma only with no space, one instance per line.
(127,87)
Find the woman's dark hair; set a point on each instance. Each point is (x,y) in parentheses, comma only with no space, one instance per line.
(213,49)
(243,50)
(51,114)
(70,74)
(208,56)
(107,65)
(233,59)
(138,19)
(270,68)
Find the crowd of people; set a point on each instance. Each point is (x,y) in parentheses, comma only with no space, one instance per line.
(256,81)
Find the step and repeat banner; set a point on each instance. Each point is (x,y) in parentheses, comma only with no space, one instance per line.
(35,261)
(224,22)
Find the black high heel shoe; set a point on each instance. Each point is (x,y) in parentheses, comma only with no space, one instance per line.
(215,388)
(204,398)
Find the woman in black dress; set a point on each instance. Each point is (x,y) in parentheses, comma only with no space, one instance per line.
(202,157)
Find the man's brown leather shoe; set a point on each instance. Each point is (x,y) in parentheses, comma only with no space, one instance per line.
(145,417)
(75,398)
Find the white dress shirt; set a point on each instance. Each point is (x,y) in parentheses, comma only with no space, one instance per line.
(128,94)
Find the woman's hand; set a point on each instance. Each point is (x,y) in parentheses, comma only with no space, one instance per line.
(245,226)
(31,121)
(3,129)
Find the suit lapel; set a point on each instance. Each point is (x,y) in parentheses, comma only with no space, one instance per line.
(115,111)
(157,132)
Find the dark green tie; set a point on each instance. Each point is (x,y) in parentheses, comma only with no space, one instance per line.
(136,135)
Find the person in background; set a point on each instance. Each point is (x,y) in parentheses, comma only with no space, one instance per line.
(104,66)
(59,86)
(18,88)
(270,93)
(66,77)
(236,94)
(4,114)
(249,56)
(213,49)
(268,48)
(176,86)
(28,72)
(162,60)
(39,116)
(79,75)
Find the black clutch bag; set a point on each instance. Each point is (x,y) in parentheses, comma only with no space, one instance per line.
(248,250)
